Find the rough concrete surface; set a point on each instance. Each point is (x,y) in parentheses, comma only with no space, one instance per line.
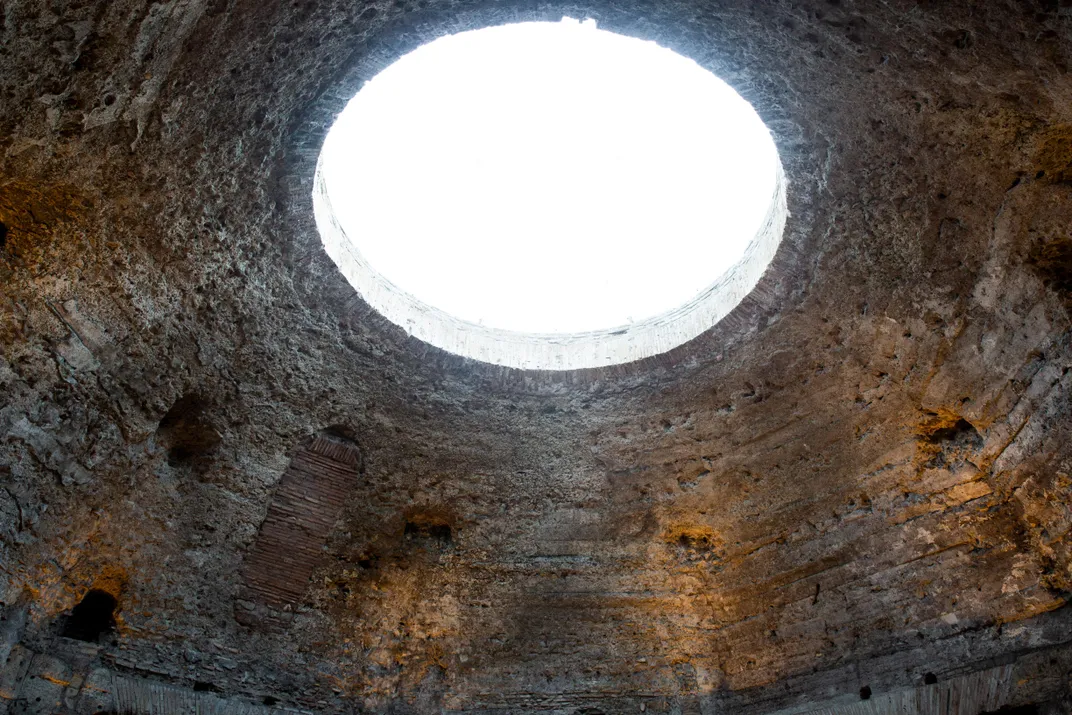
(855,486)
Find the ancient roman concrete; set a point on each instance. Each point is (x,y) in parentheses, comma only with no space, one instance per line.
(855,486)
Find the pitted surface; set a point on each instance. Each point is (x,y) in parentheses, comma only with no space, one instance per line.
(859,477)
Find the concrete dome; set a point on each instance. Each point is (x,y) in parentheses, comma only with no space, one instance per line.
(850,495)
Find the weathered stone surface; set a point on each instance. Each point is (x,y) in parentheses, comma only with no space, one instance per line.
(859,477)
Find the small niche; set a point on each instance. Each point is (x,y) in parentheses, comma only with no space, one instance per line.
(186,433)
(1053,262)
(957,433)
(428,530)
(947,439)
(423,530)
(92,618)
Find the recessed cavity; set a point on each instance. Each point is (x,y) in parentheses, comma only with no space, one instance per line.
(92,618)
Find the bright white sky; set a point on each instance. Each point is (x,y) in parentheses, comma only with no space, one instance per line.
(549,177)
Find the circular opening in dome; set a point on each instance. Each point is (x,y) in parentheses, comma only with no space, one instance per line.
(550,195)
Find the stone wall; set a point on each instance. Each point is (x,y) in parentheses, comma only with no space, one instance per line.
(859,477)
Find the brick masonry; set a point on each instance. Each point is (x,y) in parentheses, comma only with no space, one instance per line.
(289,546)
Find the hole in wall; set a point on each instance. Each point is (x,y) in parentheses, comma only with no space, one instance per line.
(1053,262)
(426,529)
(92,618)
(947,440)
(930,679)
(542,195)
(865,692)
(3,234)
(186,433)
(340,431)
(436,532)
(960,433)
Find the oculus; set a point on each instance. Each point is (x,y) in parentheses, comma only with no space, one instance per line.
(549,195)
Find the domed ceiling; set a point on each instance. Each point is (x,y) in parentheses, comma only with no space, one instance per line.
(229,485)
